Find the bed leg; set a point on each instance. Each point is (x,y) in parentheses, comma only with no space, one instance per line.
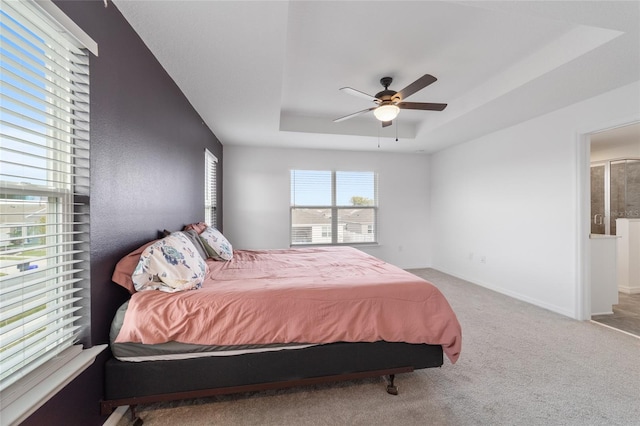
(391,388)
(135,420)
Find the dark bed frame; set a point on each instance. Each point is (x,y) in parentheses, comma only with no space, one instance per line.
(133,383)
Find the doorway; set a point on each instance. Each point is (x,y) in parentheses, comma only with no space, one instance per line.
(614,191)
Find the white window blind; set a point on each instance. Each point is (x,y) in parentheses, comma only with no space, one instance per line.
(333,207)
(44,188)
(210,189)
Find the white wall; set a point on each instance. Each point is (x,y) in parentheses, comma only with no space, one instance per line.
(512,197)
(628,149)
(256,198)
(613,144)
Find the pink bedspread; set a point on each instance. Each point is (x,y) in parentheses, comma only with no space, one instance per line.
(308,295)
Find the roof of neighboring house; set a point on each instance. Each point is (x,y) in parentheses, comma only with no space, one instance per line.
(323,216)
(18,212)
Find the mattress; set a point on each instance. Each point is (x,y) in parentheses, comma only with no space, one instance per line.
(139,352)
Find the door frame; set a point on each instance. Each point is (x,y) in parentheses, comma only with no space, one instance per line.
(583,223)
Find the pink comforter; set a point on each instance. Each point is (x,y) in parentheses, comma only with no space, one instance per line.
(309,295)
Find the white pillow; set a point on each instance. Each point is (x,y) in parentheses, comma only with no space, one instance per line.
(170,264)
(216,244)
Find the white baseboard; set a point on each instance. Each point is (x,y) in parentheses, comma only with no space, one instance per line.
(601,313)
(115,417)
(541,304)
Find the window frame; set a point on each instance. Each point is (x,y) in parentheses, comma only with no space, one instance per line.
(61,161)
(335,209)
(210,189)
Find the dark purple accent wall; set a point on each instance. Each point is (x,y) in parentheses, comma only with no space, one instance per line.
(147,174)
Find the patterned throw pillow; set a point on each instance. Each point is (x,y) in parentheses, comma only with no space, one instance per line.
(193,236)
(170,264)
(216,244)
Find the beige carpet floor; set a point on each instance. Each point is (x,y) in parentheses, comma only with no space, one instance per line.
(520,365)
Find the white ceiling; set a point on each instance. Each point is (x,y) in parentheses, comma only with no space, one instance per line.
(268,73)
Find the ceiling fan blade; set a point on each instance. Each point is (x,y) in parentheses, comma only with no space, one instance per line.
(419,84)
(346,117)
(422,106)
(359,94)
(386,123)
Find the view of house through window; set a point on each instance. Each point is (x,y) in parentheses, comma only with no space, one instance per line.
(333,207)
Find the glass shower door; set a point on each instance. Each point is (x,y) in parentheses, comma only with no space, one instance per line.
(615,193)
(625,191)
(598,198)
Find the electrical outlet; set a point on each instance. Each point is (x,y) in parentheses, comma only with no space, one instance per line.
(483,259)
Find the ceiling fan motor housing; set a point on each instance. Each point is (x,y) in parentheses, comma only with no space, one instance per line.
(387,96)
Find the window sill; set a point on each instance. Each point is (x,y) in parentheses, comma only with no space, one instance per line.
(24,397)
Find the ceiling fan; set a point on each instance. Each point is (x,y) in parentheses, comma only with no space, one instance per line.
(389,102)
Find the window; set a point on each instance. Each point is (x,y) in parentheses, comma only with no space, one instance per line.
(210,189)
(333,207)
(44,189)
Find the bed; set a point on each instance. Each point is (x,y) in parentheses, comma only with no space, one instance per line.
(265,319)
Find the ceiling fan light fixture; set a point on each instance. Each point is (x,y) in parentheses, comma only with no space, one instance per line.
(389,102)
(386,112)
